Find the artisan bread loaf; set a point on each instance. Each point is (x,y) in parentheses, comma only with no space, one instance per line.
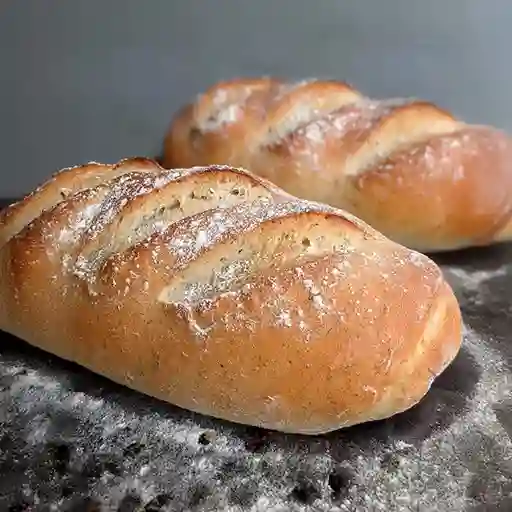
(214,290)
(408,168)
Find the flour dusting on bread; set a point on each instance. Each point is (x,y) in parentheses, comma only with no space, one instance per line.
(213,289)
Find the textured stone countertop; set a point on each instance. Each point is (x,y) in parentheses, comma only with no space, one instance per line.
(72,441)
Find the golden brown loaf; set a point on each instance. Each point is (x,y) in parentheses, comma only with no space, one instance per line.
(214,290)
(406,167)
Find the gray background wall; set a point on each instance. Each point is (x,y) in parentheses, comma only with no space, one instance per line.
(100,79)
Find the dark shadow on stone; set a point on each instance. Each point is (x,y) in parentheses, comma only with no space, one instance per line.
(447,399)
(20,506)
(476,258)
(339,481)
(130,503)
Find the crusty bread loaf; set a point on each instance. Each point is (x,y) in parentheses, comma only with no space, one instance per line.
(214,290)
(406,167)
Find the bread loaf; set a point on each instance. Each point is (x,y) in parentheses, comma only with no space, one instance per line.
(408,168)
(214,290)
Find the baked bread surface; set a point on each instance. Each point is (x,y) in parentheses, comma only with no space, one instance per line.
(405,166)
(214,290)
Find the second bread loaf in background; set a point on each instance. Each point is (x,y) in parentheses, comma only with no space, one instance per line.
(408,168)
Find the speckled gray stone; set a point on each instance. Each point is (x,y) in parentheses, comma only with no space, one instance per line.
(72,441)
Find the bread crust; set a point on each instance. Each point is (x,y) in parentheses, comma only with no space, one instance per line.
(214,290)
(407,167)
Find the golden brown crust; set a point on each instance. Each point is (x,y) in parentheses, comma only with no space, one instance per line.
(407,167)
(61,185)
(214,290)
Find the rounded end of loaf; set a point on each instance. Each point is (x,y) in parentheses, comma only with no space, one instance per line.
(433,353)
(429,356)
(450,192)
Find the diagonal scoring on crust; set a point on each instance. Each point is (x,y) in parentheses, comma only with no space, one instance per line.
(180,196)
(262,235)
(373,130)
(116,210)
(63,184)
(320,109)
